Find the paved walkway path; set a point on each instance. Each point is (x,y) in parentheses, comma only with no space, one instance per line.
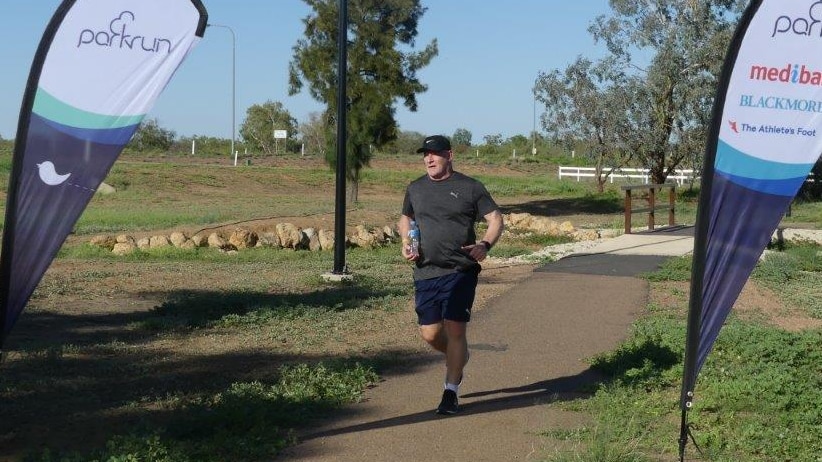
(527,351)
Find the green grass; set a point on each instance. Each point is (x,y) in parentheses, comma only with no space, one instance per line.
(246,421)
(769,408)
(394,180)
(758,396)
(673,269)
(161,195)
(99,220)
(380,284)
(597,445)
(805,212)
(795,275)
(539,183)
(172,194)
(543,185)
(517,244)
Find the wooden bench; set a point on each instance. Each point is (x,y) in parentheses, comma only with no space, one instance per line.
(652,207)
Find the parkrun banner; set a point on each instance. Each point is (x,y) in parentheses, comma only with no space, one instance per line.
(766,137)
(99,68)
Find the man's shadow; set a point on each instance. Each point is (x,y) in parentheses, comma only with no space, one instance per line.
(580,386)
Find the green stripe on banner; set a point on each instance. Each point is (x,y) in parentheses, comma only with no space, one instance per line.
(51,108)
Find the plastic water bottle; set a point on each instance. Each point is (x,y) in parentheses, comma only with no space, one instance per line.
(414,238)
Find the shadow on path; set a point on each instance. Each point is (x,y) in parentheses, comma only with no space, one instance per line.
(676,230)
(605,265)
(535,394)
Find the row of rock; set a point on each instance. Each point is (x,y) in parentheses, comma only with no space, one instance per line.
(283,236)
(289,236)
(546,226)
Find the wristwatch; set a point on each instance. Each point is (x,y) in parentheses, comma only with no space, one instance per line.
(486,244)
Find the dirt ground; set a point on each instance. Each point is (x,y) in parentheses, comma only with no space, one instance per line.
(754,302)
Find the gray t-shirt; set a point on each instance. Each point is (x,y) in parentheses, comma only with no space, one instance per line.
(446,212)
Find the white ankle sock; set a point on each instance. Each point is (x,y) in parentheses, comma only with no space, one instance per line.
(453,387)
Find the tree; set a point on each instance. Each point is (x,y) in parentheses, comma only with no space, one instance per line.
(461,137)
(204,146)
(151,137)
(6,145)
(812,190)
(381,69)
(493,140)
(406,142)
(664,57)
(260,122)
(581,106)
(518,141)
(314,133)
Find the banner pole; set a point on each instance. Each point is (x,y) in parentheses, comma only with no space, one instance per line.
(683,435)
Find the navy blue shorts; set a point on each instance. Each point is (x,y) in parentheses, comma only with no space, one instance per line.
(446,297)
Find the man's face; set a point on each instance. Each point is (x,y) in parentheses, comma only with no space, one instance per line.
(437,164)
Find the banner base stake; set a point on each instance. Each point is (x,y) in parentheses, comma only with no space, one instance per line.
(684,435)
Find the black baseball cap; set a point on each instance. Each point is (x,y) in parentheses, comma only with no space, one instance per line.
(436,143)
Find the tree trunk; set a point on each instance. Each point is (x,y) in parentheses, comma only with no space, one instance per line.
(353,192)
(600,184)
(658,173)
(601,179)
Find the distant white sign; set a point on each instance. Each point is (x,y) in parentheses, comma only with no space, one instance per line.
(280,134)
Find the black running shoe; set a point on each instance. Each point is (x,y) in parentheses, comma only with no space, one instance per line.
(448,405)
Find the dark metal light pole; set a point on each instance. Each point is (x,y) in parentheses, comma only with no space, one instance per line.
(233,86)
(342,79)
(534,131)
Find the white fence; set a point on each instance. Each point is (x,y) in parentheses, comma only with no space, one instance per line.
(679,175)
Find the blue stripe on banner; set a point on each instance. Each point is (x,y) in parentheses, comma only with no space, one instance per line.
(732,161)
(787,187)
(110,136)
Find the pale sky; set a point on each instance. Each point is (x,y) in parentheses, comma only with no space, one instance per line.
(489,56)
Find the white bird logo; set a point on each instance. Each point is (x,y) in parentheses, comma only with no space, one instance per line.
(49,175)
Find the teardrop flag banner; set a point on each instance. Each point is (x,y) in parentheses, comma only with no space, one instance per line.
(98,70)
(765,137)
